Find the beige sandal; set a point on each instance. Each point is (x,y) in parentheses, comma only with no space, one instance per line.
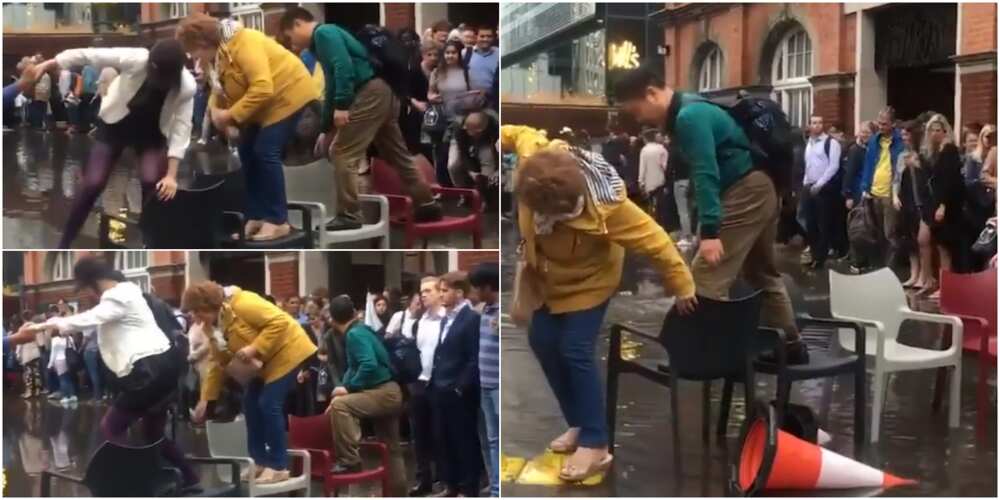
(573,474)
(563,445)
(271,476)
(271,232)
(257,470)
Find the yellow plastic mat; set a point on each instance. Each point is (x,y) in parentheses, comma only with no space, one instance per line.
(542,470)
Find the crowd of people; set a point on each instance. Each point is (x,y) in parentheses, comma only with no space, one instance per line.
(231,353)
(433,95)
(925,195)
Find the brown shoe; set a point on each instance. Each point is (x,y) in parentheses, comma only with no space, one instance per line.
(270,232)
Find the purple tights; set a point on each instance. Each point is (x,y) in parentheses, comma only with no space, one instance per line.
(117,421)
(103,156)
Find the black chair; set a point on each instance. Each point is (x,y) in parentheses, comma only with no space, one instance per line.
(125,471)
(719,340)
(826,359)
(190,220)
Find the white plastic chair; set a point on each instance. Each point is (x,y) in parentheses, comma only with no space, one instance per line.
(312,185)
(877,301)
(229,440)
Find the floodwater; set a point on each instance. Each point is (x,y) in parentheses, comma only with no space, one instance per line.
(915,441)
(42,174)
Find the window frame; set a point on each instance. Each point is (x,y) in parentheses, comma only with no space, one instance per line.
(794,55)
(710,70)
(134,264)
(62,266)
(244,11)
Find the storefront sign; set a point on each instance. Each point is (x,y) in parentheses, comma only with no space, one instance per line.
(623,55)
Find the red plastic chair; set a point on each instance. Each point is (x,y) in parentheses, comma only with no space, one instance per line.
(973,297)
(386,182)
(315,435)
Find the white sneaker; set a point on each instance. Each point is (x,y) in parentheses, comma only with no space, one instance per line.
(73,400)
(64,401)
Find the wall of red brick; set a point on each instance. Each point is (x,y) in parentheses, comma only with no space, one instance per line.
(167,284)
(979,28)
(848,43)
(979,97)
(284,278)
(836,106)
(399,15)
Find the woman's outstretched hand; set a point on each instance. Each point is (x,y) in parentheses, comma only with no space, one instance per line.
(686,305)
(166,189)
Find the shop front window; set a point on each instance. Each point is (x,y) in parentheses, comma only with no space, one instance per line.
(790,72)
(569,73)
(47,18)
(248,14)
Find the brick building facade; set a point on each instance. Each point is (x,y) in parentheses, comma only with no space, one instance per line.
(841,61)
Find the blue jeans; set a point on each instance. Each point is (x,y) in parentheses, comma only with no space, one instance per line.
(490,403)
(92,358)
(263,407)
(564,345)
(260,155)
(66,385)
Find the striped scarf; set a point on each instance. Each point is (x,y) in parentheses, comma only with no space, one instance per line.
(604,186)
(228,28)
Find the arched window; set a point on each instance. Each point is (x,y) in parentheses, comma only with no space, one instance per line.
(62,266)
(710,74)
(133,264)
(790,72)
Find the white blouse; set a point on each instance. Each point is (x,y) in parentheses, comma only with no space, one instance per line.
(126,329)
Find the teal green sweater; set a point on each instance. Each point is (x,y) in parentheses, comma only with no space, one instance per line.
(345,66)
(367,359)
(716,149)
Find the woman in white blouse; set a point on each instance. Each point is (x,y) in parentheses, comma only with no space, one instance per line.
(402,322)
(135,350)
(148,108)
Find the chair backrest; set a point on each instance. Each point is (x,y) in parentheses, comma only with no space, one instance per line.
(310,432)
(189,220)
(124,471)
(312,182)
(875,296)
(971,295)
(227,439)
(713,342)
(385,180)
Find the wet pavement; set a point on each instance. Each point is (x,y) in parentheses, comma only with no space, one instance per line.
(42,175)
(915,441)
(41,435)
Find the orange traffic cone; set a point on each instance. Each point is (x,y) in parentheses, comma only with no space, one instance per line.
(772,459)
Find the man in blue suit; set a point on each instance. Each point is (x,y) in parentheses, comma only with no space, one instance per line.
(455,390)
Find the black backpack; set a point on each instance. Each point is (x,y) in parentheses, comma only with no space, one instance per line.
(387,57)
(163,314)
(404,358)
(766,126)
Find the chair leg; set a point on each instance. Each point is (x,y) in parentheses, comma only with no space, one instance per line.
(782,398)
(860,396)
(477,239)
(939,381)
(982,403)
(727,401)
(612,400)
(955,403)
(706,411)
(880,383)
(675,417)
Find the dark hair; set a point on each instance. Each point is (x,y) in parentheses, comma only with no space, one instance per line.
(649,135)
(486,27)
(442,25)
(633,84)
(294,14)
(459,46)
(916,130)
(342,309)
(166,62)
(270,298)
(89,270)
(485,274)
(457,279)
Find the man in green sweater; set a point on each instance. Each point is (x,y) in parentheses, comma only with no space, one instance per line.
(368,391)
(737,202)
(359,109)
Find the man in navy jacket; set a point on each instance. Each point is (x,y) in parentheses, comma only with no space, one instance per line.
(455,390)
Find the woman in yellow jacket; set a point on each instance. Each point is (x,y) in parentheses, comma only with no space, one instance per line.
(261,88)
(576,222)
(247,327)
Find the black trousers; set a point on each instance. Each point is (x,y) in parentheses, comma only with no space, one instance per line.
(458,450)
(422,435)
(820,223)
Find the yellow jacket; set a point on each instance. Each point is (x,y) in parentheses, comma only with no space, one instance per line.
(262,82)
(581,260)
(248,319)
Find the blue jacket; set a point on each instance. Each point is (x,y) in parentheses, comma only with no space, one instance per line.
(871,159)
(456,359)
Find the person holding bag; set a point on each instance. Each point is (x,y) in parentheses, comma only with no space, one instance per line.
(451,96)
(263,348)
(576,222)
(137,353)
